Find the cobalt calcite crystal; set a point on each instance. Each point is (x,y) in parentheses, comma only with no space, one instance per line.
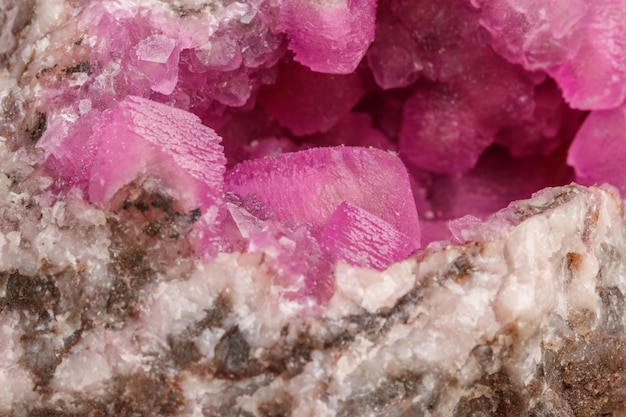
(265,208)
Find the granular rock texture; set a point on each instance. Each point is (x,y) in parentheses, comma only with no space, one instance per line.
(510,322)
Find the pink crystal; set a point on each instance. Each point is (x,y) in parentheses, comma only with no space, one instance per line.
(495,181)
(362,239)
(448,123)
(445,36)
(430,87)
(308,186)
(535,33)
(551,126)
(393,56)
(329,36)
(599,149)
(305,110)
(140,139)
(581,44)
(440,133)
(355,129)
(157,58)
(299,266)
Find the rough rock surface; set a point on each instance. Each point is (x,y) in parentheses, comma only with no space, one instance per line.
(513,321)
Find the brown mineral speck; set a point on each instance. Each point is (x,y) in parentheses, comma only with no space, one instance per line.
(83,66)
(280,407)
(227,411)
(49,412)
(232,355)
(574,261)
(499,398)
(37,126)
(10,108)
(40,357)
(388,397)
(215,316)
(36,295)
(300,353)
(288,360)
(145,218)
(131,271)
(183,349)
(461,269)
(147,395)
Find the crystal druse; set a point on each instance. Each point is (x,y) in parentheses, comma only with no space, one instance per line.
(312,208)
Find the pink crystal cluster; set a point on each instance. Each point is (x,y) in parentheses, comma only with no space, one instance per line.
(315,131)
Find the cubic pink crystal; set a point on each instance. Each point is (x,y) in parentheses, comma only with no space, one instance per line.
(141,139)
(308,186)
(329,36)
(441,133)
(362,239)
(157,58)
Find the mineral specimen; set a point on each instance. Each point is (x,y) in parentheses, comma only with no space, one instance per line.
(312,208)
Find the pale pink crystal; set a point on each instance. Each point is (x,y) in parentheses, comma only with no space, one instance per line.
(141,139)
(329,36)
(599,149)
(362,239)
(157,58)
(299,267)
(308,186)
(581,44)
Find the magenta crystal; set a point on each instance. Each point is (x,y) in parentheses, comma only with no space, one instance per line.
(551,126)
(448,85)
(301,99)
(599,149)
(331,36)
(441,133)
(362,239)
(581,44)
(308,186)
(495,181)
(535,33)
(393,57)
(141,139)
(355,129)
